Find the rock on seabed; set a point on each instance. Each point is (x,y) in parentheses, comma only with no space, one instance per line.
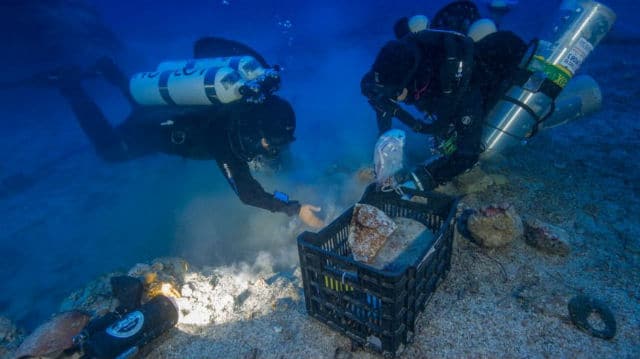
(495,225)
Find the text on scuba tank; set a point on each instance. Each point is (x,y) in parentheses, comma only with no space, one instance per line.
(127,326)
(176,73)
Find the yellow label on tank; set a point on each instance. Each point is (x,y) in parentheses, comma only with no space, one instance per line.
(555,73)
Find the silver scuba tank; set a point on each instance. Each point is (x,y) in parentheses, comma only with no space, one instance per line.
(575,32)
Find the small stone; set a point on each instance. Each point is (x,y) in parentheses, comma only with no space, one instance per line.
(495,225)
(546,238)
(277,329)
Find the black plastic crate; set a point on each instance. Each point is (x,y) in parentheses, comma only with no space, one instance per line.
(377,309)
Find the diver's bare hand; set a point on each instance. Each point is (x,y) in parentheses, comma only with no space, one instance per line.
(307,214)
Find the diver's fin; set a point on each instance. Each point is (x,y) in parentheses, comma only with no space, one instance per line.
(217,47)
(457,16)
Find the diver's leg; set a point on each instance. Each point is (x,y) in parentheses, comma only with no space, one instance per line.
(444,170)
(105,139)
(115,76)
(144,132)
(436,171)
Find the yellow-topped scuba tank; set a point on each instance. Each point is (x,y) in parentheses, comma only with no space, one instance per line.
(206,81)
(547,69)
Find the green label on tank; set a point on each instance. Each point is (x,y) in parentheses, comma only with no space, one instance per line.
(555,73)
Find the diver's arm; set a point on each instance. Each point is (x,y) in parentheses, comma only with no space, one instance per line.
(250,191)
(383,118)
(386,109)
(385,112)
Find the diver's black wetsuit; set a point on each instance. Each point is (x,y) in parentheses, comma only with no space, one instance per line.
(455,84)
(197,132)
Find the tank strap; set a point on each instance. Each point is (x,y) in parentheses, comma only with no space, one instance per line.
(163,87)
(539,120)
(547,87)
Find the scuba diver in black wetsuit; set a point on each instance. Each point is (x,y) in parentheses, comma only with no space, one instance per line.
(450,79)
(232,134)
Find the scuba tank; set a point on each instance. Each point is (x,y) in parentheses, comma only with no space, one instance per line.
(248,67)
(207,81)
(123,336)
(545,72)
(581,97)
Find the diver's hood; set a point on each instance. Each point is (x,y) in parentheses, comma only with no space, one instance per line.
(394,67)
(273,120)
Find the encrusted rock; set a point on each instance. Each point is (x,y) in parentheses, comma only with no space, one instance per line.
(163,276)
(495,225)
(369,230)
(546,238)
(10,337)
(54,336)
(95,298)
(8,331)
(139,270)
(172,266)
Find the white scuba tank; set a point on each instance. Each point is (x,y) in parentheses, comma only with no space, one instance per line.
(248,67)
(178,87)
(204,82)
